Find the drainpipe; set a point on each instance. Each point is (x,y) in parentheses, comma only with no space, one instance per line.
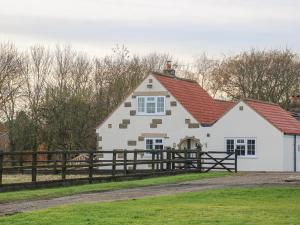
(295,153)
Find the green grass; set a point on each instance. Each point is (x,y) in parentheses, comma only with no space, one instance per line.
(276,205)
(71,190)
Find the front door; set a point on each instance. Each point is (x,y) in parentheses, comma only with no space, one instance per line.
(189,144)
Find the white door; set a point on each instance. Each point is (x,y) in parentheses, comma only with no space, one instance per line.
(298,157)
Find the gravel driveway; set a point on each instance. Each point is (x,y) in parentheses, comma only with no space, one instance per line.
(241,180)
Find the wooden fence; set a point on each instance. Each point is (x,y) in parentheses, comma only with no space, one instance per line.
(98,165)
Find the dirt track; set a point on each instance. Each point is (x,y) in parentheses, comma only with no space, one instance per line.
(244,180)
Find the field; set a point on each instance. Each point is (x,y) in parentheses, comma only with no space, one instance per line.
(272,205)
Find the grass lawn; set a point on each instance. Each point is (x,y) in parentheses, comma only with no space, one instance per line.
(71,190)
(276,205)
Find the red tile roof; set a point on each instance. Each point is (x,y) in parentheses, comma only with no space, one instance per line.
(207,110)
(194,99)
(276,115)
(223,106)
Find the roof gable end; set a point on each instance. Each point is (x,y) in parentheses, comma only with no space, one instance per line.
(275,115)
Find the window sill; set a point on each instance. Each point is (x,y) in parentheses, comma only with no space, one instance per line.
(150,114)
(247,157)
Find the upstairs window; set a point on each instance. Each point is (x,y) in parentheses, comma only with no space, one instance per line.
(150,105)
(160,104)
(141,105)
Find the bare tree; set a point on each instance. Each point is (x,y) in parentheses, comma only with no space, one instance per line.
(80,74)
(38,69)
(264,75)
(10,70)
(201,71)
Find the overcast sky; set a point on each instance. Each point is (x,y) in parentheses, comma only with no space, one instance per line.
(183,28)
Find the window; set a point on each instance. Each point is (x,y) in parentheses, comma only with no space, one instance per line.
(230,145)
(150,105)
(149,144)
(250,147)
(240,149)
(160,104)
(153,144)
(244,146)
(141,105)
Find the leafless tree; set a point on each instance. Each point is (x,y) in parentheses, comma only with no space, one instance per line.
(264,75)
(10,70)
(38,69)
(201,71)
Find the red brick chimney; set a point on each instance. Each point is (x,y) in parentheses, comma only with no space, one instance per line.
(294,102)
(295,106)
(168,69)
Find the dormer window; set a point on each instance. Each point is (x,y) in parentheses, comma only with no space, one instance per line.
(151,105)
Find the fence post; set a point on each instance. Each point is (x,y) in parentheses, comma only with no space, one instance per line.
(134,160)
(185,159)
(63,168)
(157,160)
(91,160)
(1,166)
(153,160)
(168,158)
(161,160)
(199,156)
(55,164)
(125,162)
(33,166)
(173,158)
(235,161)
(114,163)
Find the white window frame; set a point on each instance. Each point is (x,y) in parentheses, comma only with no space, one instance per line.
(147,155)
(155,113)
(245,144)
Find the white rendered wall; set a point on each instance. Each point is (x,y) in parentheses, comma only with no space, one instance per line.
(288,153)
(173,125)
(248,123)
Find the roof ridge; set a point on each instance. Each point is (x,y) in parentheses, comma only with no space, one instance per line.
(260,101)
(221,100)
(174,77)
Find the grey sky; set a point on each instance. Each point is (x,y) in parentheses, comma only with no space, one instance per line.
(184,28)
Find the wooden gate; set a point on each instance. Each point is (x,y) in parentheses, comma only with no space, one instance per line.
(206,161)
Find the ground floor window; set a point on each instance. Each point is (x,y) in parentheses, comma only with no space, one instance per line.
(243,146)
(153,144)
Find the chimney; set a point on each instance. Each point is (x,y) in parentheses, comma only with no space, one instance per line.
(294,102)
(295,106)
(168,69)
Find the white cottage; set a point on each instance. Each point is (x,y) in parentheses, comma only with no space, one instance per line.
(167,111)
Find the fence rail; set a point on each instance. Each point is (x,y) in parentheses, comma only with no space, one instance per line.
(95,165)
